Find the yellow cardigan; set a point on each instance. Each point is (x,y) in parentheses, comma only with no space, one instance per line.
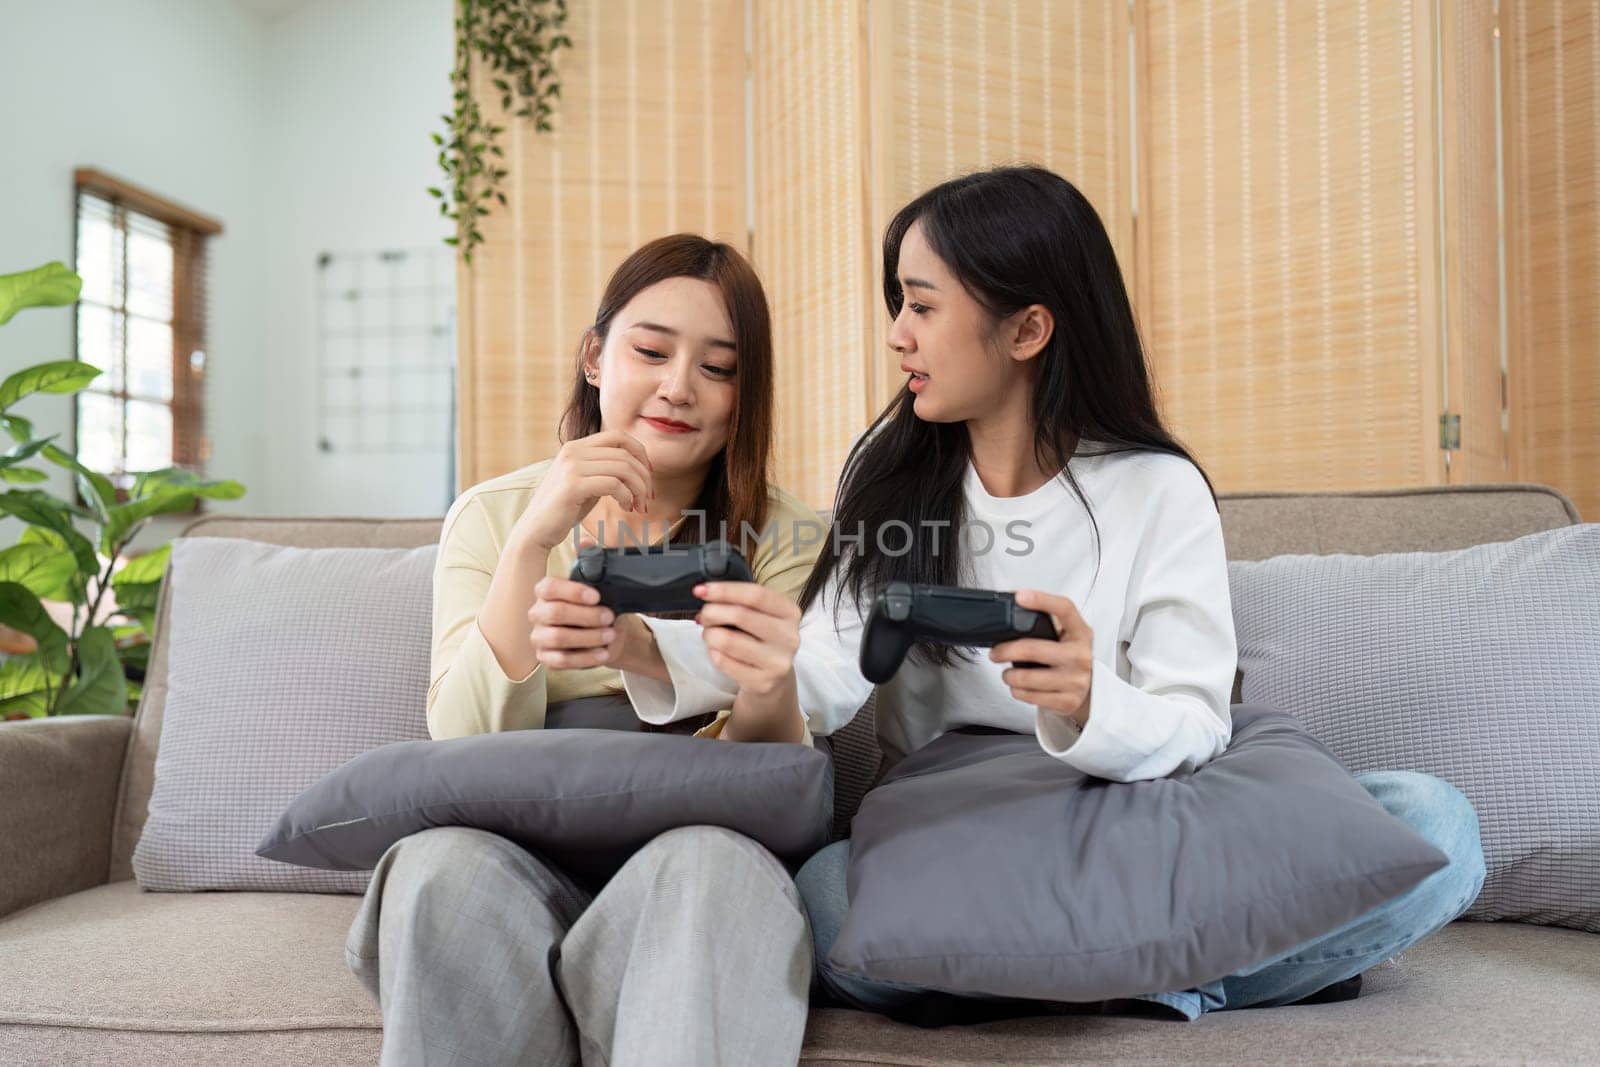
(468,692)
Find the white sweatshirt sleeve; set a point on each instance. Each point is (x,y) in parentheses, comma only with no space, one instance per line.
(826,666)
(1172,712)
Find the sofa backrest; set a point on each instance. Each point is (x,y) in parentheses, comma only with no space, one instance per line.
(1376,521)
(1255,526)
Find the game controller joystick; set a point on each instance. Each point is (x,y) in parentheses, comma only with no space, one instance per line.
(655,580)
(904,614)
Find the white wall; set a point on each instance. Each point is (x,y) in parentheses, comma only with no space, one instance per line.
(305,133)
(183,121)
(356,87)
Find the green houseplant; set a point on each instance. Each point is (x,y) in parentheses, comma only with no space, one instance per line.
(95,666)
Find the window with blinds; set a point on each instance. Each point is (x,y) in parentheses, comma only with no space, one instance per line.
(142,321)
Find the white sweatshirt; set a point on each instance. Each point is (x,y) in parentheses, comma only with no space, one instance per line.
(1164,645)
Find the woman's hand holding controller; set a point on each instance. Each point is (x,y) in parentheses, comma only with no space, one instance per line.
(1061,681)
(751,634)
(571,630)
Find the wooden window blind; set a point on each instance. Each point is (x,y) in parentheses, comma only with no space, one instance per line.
(142,320)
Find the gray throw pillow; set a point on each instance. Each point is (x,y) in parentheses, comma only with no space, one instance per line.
(586,792)
(1480,666)
(983,865)
(283,664)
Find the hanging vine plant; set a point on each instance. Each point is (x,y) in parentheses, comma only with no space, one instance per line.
(519,40)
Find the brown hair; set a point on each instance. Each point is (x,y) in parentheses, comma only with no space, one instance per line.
(735,489)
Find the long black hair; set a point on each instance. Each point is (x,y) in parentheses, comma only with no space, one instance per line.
(1013,236)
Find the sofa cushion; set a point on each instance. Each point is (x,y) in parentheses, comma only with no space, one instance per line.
(1480,666)
(984,865)
(139,766)
(117,975)
(117,956)
(52,1046)
(1473,993)
(284,663)
(585,798)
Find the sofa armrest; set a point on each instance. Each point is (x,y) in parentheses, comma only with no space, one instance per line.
(58,783)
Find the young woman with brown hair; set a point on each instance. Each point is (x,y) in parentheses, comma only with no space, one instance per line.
(697,951)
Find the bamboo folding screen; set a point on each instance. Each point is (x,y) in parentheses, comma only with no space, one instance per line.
(812,233)
(1320,247)
(1304,197)
(1551,71)
(649,140)
(962,84)
(859,107)
(1474,385)
(1289,260)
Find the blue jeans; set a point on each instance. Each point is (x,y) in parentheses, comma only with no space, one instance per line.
(1429,805)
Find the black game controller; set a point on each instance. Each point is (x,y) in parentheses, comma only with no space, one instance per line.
(904,614)
(652,580)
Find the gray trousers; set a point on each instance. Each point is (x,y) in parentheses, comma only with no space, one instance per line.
(696,952)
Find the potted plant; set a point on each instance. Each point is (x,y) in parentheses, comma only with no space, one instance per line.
(68,553)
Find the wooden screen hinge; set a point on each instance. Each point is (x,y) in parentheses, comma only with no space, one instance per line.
(1450,432)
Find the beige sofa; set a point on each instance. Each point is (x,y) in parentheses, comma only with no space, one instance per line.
(94,970)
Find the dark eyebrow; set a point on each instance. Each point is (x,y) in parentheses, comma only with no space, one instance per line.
(917,283)
(715,342)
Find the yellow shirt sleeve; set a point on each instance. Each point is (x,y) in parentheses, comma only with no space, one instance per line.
(468,690)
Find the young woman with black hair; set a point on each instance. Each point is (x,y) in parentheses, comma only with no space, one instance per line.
(1025,453)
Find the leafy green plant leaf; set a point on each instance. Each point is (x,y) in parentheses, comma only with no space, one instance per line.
(100,687)
(41,509)
(20,609)
(25,451)
(70,591)
(138,584)
(41,569)
(22,677)
(135,651)
(18,427)
(51,285)
(138,601)
(23,475)
(63,376)
(125,519)
(99,487)
(33,705)
(143,569)
(177,477)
